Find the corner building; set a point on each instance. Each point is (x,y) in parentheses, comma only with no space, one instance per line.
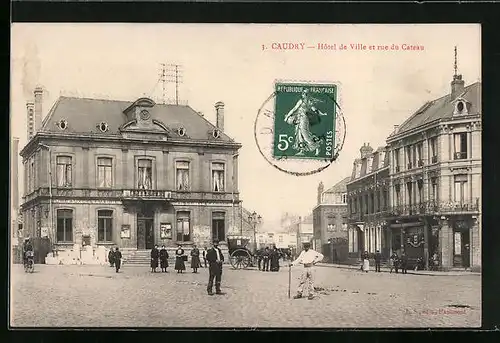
(435,179)
(130,174)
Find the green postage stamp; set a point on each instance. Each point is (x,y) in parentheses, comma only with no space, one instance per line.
(304,121)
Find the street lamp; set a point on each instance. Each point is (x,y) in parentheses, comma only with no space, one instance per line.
(254,219)
(49,170)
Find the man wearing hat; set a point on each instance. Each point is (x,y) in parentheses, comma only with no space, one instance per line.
(215,259)
(308,258)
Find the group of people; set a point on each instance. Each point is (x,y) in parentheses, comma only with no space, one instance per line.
(269,259)
(161,256)
(115,258)
(395,262)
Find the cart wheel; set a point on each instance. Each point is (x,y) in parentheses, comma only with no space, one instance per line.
(240,259)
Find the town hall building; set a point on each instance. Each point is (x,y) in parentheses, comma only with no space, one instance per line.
(128,174)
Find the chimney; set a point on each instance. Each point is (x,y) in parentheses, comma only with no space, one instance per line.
(38,108)
(219,110)
(30,122)
(366,150)
(457,86)
(321,189)
(15,176)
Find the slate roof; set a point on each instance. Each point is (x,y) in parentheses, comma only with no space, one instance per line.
(442,108)
(84,114)
(375,161)
(339,187)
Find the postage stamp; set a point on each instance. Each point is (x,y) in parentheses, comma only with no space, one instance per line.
(300,128)
(304,123)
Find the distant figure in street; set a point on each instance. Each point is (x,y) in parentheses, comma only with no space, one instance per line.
(163,259)
(393,260)
(265,259)
(274,257)
(378,259)
(308,258)
(27,246)
(111,257)
(259,258)
(404,263)
(118,259)
(179,260)
(195,259)
(155,254)
(366,262)
(215,259)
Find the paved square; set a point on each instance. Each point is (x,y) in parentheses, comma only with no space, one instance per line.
(96,296)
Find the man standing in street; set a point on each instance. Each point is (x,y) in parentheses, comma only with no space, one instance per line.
(265,259)
(308,258)
(378,259)
(404,263)
(118,259)
(215,258)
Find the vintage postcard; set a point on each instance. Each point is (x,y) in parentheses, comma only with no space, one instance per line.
(243,175)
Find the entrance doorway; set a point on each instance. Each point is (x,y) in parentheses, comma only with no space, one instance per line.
(461,249)
(218,226)
(145,230)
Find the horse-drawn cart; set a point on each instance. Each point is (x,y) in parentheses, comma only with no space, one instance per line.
(239,255)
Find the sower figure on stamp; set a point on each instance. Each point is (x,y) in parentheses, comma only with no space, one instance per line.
(215,259)
(300,116)
(308,258)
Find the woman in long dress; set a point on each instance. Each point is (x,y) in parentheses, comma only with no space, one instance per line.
(275,260)
(366,262)
(163,259)
(155,254)
(195,259)
(305,140)
(179,260)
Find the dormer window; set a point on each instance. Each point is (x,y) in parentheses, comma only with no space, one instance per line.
(462,107)
(103,126)
(62,124)
(216,133)
(181,131)
(145,115)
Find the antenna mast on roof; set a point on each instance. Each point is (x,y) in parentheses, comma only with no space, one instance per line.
(175,76)
(455,64)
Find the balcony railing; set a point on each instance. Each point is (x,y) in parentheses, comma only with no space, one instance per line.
(130,194)
(420,163)
(434,159)
(460,156)
(398,169)
(410,165)
(146,193)
(434,207)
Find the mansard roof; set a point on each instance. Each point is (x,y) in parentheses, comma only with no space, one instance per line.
(83,116)
(441,108)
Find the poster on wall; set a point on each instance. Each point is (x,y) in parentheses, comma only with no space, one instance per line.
(166,231)
(125,232)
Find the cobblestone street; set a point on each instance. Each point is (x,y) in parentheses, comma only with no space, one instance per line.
(95,296)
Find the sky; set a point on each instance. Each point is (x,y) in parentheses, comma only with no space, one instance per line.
(226,62)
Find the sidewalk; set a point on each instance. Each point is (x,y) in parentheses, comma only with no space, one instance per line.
(387,270)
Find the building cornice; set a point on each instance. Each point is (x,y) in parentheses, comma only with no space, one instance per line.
(125,142)
(433,124)
(367,175)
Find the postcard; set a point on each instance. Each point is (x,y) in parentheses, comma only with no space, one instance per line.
(244,175)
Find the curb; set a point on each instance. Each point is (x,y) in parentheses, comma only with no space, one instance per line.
(386,270)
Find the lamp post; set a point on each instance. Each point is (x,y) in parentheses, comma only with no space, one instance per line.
(49,171)
(254,219)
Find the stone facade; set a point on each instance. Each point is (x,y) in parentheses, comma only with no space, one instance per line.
(368,202)
(134,182)
(435,180)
